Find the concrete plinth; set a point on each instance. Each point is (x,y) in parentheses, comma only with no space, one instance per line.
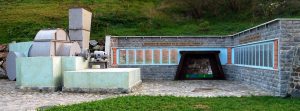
(112,80)
(39,73)
(73,63)
(45,73)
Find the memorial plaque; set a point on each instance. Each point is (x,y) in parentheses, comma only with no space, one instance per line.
(156,56)
(251,38)
(174,56)
(131,57)
(139,56)
(148,55)
(165,56)
(122,55)
(172,44)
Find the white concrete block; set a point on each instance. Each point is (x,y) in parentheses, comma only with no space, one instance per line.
(39,72)
(83,45)
(74,63)
(80,18)
(107,44)
(79,35)
(50,35)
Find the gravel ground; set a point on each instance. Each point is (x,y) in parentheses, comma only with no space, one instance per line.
(11,99)
(199,88)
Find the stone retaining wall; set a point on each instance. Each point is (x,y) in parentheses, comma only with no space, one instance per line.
(266,32)
(164,72)
(213,41)
(289,67)
(282,80)
(267,79)
(155,72)
(262,78)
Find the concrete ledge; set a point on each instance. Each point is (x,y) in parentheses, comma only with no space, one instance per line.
(37,89)
(73,63)
(103,90)
(112,80)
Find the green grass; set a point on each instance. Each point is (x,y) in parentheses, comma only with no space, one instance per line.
(170,103)
(20,20)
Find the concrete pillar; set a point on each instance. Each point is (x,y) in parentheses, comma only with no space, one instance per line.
(107,44)
(80,26)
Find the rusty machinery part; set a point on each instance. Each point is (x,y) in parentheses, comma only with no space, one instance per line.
(11,64)
(2,73)
(3,55)
(3,48)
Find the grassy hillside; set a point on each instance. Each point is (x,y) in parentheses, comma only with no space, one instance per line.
(20,20)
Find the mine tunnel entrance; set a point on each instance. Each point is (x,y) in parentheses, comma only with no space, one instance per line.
(199,65)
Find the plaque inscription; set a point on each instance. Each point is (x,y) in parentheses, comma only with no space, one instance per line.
(250,38)
(172,44)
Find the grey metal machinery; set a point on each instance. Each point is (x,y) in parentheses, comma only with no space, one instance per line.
(99,58)
(47,42)
(56,42)
(95,58)
(53,42)
(11,64)
(95,46)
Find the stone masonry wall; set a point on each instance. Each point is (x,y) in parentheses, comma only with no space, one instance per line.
(155,72)
(283,79)
(206,41)
(289,65)
(164,72)
(261,78)
(267,32)
(267,79)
